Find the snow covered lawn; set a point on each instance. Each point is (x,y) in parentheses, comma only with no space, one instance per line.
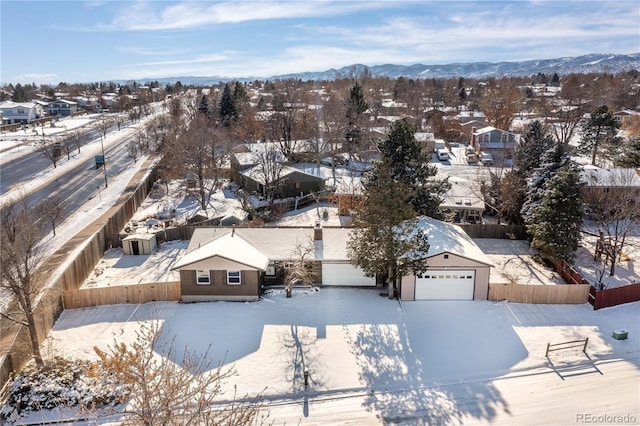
(355,342)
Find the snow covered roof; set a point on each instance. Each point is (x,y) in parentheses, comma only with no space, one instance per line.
(463,194)
(446,237)
(256,173)
(229,246)
(595,176)
(280,243)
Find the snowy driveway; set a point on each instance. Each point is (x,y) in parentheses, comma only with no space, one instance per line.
(446,359)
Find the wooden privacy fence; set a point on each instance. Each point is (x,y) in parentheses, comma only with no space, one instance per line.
(540,294)
(614,296)
(136,293)
(568,274)
(504,232)
(89,245)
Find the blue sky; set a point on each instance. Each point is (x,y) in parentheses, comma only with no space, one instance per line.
(48,42)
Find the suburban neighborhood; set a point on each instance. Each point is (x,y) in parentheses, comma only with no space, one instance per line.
(369,245)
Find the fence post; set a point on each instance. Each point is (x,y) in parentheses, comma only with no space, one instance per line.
(547,353)
(584,349)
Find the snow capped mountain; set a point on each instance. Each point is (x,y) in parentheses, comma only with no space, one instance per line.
(596,62)
(608,63)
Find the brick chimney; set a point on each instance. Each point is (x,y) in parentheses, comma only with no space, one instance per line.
(473,137)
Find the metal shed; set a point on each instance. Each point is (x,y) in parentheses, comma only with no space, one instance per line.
(137,244)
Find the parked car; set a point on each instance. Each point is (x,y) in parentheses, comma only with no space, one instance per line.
(486,159)
(472,157)
(443,154)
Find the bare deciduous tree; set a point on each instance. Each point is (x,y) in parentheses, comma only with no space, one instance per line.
(614,206)
(20,276)
(299,269)
(164,388)
(50,210)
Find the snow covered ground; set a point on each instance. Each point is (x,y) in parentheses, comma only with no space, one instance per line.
(384,361)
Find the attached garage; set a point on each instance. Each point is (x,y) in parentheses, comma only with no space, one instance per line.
(345,274)
(445,285)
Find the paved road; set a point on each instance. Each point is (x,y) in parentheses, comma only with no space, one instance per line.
(567,396)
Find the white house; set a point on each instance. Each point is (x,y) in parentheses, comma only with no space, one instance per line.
(20,112)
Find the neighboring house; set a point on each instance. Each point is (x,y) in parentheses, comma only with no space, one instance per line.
(464,201)
(626,116)
(499,143)
(478,117)
(62,108)
(287,182)
(20,112)
(234,263)
(457,268)
(597,182)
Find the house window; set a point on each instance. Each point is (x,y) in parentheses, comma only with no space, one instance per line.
(203,277)
(233,277)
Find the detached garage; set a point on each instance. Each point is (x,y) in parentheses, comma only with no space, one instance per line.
(457,269)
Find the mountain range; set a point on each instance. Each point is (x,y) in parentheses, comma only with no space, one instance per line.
(596,63)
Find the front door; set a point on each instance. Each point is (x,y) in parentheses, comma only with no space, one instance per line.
(135,247)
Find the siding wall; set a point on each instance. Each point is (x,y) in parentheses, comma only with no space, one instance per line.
(250,284)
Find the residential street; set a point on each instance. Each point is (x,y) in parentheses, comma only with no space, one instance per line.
(539,397)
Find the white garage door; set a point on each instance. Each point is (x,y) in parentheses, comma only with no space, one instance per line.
(445,285)
(345,274)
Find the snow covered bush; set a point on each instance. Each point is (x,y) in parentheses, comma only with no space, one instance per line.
(60,383)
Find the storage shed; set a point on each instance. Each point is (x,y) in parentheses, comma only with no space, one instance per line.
(137,244)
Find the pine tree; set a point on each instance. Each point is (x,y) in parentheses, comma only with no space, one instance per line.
(355,108)
(629,154)
(410,163)
(549,163)
(203,106)
(554,223)
(384,241)
(228,111)
(534,143)
(599,134)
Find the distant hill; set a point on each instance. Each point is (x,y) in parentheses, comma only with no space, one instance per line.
(596,62)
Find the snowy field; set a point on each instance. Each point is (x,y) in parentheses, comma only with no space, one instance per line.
(378,361)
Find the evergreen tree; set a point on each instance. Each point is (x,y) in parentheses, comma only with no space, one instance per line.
(356,105)
(555,79)
(629,154)
(203,106)
(549,163)
(384,241)
(535,141)
(599,134)
(228,111)
(554,222)
(410,163)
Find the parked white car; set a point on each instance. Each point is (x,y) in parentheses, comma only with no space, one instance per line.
(443,154)
(486,159)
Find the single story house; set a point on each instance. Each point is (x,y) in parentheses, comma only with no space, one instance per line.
(598,183)
(464,201)
(287,182)
(234,263)
(457,268)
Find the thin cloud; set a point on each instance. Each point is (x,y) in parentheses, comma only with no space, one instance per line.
(215,57)
(44,78)
(144,16)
